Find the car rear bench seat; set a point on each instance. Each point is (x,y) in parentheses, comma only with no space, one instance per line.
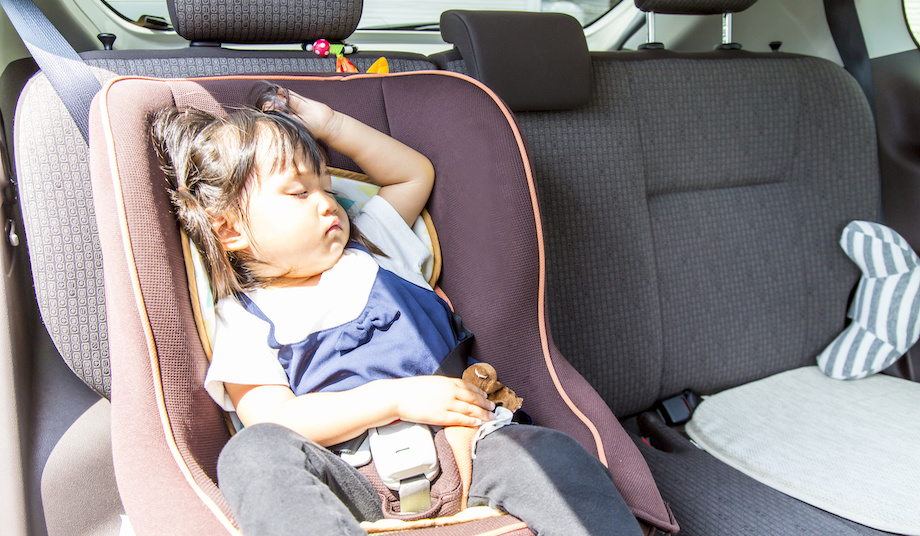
(165,433)
(692,206)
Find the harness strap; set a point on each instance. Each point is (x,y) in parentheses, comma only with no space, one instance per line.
(415,494)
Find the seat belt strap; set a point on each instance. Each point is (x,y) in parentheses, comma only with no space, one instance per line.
(843,21)
(68,74)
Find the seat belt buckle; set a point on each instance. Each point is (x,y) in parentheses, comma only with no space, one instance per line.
(406,460)
(679,408)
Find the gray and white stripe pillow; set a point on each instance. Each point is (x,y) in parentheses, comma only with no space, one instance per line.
(886,306)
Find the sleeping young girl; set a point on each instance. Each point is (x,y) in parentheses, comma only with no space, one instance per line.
(326,327)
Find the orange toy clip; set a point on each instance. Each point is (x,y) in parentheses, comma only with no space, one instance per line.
(379,66)
(344,65)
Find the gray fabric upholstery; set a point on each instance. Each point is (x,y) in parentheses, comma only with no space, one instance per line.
(192,62)
(691,213)
(534,61)
(699,248)
(694,7)
(450,60)
(60,228)
(264,21)
(600,258)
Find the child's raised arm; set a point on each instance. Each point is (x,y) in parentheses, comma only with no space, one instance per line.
(404,175)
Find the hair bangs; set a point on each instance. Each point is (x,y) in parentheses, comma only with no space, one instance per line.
(292,141)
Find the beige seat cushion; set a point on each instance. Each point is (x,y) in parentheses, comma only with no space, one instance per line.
(849,447)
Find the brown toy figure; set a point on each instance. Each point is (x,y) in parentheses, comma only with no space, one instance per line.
(483,375)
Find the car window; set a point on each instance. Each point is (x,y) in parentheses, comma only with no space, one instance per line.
(912,14)
(406,14)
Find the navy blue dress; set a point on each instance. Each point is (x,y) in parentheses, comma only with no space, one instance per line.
(404,330)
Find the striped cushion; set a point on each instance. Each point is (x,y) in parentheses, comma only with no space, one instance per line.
(885,309)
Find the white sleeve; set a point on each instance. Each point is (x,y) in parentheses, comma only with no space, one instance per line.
(383,226)
(240,353)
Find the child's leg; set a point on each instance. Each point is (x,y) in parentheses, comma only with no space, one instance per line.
(548,480)
(277,482)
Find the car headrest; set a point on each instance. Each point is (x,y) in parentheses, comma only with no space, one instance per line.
(264,21)
(533,61)
(694,7)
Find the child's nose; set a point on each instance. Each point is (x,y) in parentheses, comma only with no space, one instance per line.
(328,204)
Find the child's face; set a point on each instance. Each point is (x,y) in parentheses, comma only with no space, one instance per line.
(294,224)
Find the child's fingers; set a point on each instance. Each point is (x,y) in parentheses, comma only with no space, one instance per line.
(466,414)
(474,395)
(273,97)
(315,115)
(469,409)
(459,419)
(442,401)
(470,406)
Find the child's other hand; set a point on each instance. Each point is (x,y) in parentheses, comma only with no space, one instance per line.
(441,401)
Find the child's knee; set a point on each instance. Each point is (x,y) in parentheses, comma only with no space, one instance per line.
(541,447)
(258,436)
(251,447)
(534,439)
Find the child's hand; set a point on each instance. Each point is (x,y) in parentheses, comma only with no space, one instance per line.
(318,117)
(441,401)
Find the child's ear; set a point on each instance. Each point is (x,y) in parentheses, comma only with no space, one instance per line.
(229,233)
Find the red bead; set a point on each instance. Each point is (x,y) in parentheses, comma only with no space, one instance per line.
(321,48)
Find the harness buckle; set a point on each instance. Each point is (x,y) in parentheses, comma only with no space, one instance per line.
(406,460)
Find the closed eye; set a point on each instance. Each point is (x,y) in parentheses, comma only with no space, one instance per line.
(306,193)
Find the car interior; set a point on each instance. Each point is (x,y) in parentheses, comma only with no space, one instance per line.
(661,225)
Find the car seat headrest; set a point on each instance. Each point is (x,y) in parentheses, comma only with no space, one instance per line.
(264,21)
(694,7)
(533,61)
